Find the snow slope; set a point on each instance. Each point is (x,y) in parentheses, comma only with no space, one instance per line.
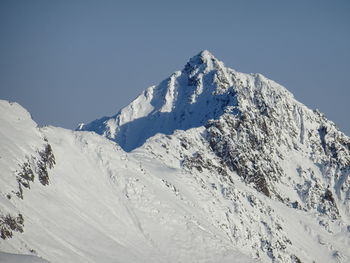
(210,119)
(186,99)
(101,204)
(219,166)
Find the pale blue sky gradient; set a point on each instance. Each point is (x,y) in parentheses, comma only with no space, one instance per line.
(75,61)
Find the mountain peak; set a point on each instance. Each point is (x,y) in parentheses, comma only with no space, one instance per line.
(203,59)
(204,90)
(205,55)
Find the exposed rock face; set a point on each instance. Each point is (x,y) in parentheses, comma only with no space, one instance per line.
(39,165)
(10,224)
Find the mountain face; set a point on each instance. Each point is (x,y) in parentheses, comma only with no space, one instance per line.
(253,125)
(211,165)
(187,99)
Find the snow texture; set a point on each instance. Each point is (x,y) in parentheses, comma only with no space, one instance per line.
(211,165)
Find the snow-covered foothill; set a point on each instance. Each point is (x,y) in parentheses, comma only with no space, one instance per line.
(100,204)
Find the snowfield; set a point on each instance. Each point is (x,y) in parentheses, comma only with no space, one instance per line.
(101,204)
(211,165)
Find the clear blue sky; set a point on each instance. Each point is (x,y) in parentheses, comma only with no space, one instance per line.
(74,61)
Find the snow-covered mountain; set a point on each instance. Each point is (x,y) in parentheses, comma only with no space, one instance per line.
(77,197)
(187,99)
(211,165)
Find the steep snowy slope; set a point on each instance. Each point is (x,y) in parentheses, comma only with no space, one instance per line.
(188,98)
(77,197)
(247,129)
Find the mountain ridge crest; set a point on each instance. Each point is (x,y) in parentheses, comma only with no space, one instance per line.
(204,89)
